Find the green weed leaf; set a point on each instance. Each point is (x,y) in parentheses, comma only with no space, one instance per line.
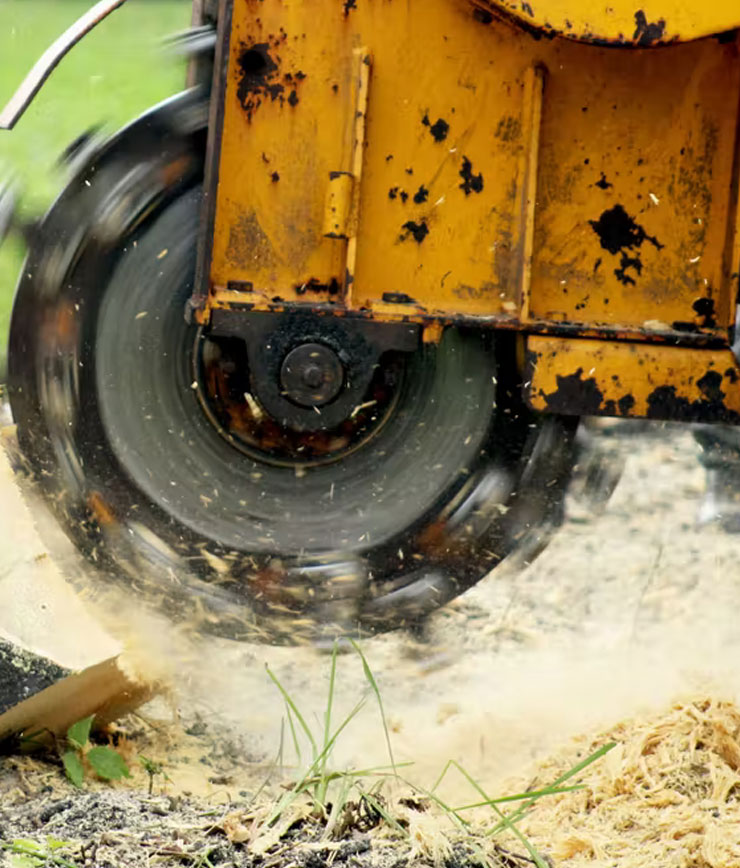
(56,844)
(73,767)
(108,764)
(21,860)
(25,853)
(28,846)
(79,733)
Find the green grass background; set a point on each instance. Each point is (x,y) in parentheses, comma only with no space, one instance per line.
(113,75)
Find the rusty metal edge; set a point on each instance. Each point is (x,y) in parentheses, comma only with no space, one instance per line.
(213,157)
(246,301)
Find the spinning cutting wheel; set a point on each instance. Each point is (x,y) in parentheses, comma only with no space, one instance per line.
(291,482)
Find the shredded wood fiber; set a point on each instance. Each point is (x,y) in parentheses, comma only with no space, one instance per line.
(667,796)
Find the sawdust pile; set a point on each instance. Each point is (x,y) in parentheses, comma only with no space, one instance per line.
(667,794)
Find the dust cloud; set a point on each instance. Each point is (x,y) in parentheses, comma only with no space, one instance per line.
(624,613)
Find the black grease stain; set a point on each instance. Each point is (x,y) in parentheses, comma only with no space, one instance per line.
(439,129)
(293,99)
(418,231)
(275,177)
(314,285)
(626,262)
(349,5)
(397,298)
(482,15)
(603,183)
(626,403)
(618,234)
(421,195)
(597,264)
(704,308)
(665,403)
(647,33)
(404,195)
(256,69)
(528,9)
(575,396)
(471,183)
(710,385)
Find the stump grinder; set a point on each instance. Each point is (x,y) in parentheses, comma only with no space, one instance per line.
(303,350)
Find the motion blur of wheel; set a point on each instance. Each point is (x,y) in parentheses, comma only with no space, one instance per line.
(168,471)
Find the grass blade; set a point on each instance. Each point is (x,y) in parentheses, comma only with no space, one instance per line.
(520,797)
(370,678)
(323,784)
(442,775)
(507,822)
(332,741)
(330,695)
(461,822)
(378,807)
(293,734)
(374,771)
(511,826)
(302,785)
(277,763)
(294,708)
(547,791)
(338,805)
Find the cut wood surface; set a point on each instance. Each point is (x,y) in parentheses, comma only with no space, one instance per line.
(109,690)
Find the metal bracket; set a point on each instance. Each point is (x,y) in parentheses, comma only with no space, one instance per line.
(269,338)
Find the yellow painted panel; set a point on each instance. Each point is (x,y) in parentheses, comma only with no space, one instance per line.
(616,210)
(605,378)
(636,165)
(623,22)
(287,125)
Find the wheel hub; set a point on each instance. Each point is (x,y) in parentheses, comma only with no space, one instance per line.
(311,375)
(308,371)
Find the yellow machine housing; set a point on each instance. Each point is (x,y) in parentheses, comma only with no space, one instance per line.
(571,176)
